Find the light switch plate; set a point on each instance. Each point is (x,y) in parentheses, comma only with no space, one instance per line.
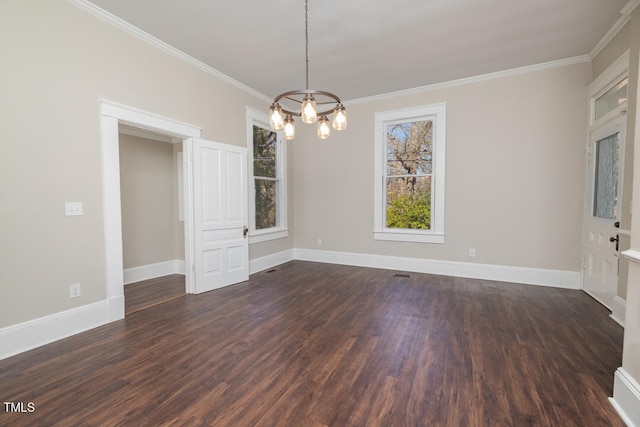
(73,208)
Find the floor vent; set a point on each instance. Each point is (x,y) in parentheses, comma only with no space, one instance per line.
(272,270)
(400,275)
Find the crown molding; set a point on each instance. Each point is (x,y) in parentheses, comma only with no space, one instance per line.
(483,77)
(626,12)
(123,25)
(630,7)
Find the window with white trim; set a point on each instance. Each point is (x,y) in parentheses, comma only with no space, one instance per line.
(409,173)
(267,179)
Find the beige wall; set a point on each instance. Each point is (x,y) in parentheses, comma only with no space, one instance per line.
(62,60)
(515,170)
(149,201)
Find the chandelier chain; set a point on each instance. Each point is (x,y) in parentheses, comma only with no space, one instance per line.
(306,36)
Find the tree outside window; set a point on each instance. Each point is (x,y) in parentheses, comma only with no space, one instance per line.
(265,176)
(408,181)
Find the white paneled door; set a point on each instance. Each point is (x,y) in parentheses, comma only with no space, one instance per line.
(603,212)
(221,250)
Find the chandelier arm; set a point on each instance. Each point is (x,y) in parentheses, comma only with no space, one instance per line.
(301,93)
(306,92)
(299,114)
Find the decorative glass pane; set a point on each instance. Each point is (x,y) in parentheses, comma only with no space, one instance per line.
(605,197)
(409,202)
(264,152)
(610,100)
(266,192)
(410,148)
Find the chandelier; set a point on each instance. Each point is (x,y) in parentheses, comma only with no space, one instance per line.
(310,101)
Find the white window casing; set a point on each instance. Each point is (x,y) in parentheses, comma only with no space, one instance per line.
(436,113)
(259,118)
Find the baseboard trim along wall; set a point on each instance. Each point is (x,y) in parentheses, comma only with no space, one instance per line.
(28,335)
(151,271)
(269,261)
(618,310)
(500,273)
(626,397)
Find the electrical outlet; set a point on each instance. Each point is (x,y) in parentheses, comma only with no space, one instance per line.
(73,209)
(319,242)
(74,290)
(472,253)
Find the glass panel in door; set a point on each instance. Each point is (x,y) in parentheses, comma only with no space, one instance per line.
(605,197)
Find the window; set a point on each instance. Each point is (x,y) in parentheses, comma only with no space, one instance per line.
(267,178)
(612,99)
(409,170)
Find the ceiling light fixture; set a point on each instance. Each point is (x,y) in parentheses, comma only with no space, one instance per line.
(281,118)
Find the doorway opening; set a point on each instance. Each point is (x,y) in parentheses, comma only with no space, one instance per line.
(152,218)
(112,117)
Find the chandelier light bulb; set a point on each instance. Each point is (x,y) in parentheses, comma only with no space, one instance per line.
(289,128)
(309,113)
(276,119)
(340,118)
(323,127)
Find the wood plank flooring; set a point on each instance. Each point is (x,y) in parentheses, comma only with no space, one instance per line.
(147,293)
(324,345)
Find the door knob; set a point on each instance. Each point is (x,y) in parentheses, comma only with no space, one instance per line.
(615,239)
(245,230)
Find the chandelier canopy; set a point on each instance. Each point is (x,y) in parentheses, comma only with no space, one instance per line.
(310,101)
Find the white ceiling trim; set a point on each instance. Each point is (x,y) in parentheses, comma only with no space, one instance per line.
(620,23)
(630,7)
(148,38)
(490,76)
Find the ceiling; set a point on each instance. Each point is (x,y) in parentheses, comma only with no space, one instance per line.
(361,48)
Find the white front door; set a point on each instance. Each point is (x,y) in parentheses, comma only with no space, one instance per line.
(221,251)
(603,211)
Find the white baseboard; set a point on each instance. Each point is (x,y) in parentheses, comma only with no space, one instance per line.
(151,271)
(626,397)
(25,336)
(270,261)
(116,308)
(618,310)
(524,275)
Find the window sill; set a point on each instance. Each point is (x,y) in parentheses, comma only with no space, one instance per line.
(266,235)
(409,236)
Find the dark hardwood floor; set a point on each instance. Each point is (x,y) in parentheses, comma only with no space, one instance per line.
(325,345)
(147,293)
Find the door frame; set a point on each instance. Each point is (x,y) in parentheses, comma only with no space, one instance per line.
(600,85)
(111,116)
